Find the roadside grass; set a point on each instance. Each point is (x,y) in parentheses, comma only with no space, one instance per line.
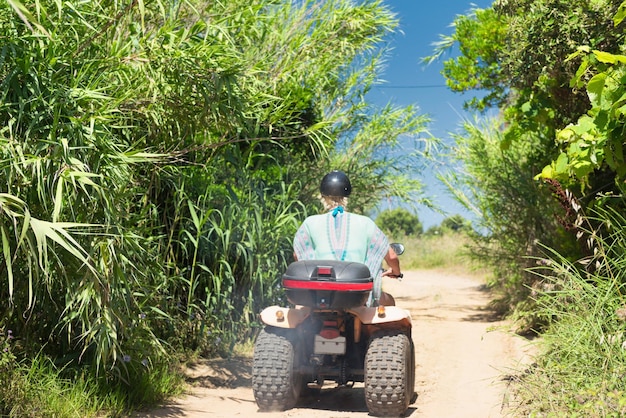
(244,349)
(444,251)
(40,389)
(581,367)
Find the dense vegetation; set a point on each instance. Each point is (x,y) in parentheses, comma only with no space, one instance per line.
(546,181)
(156,158)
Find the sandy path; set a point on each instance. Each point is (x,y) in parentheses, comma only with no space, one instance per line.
(463,359)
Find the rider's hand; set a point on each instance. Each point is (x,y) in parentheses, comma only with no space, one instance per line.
(390,273)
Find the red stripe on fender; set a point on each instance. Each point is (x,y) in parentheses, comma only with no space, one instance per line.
(311,285)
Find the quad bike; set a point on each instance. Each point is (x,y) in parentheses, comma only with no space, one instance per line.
(330,335)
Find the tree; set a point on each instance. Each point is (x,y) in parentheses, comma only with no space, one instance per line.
(516,216)
(456,223)
(480,37)
(399,223)
(523,59)
(594,144)
(562,66)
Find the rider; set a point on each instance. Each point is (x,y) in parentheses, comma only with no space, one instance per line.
(340,235)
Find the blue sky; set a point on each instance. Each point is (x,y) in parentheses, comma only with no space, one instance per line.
(408,81)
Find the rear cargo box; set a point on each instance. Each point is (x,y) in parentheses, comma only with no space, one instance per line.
(327,284)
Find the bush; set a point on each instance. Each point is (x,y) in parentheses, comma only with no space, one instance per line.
(514,212)
(398,223)
(456,223)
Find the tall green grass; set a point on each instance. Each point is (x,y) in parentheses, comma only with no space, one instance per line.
(446,250)
(43,387)
(582,368)
(230,260)
(40,389)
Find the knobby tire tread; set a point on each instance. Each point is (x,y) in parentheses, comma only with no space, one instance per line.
(274,381)
(388,374)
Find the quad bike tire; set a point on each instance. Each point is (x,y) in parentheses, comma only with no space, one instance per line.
(276,383)
(389,374)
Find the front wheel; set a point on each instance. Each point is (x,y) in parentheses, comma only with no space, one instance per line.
(389,374)
(276,382)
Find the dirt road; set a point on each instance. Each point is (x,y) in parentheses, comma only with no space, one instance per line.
(464,358)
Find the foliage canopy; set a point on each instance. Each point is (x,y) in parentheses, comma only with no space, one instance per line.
(399,223)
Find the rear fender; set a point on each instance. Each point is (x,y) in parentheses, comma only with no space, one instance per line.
(280,317)
(394,317)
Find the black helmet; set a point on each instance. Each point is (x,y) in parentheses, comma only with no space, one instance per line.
(336,183)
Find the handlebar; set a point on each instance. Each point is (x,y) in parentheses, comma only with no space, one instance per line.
(393,276)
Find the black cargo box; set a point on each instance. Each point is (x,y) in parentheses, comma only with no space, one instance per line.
(327,284)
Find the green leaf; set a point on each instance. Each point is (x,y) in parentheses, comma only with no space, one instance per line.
(142,13)
(57,232)
(582,169)
(620,15)
(620,111)
(191,238)
(194,216)
(601,119)
(58,199)
(25,226)
(609,58)
(576,80)
(582,49)
(595,87)
(561,163)
(509,137)
(159,311)
(26,16)
(585,125)
(617,107)
(546,173)
(566,134)
(6,252)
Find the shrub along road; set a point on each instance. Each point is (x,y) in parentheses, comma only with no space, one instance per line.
(465,358)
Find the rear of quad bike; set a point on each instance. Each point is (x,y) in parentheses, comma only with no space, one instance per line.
(332,336)
(280,373)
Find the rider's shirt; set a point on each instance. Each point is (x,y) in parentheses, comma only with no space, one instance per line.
(339,235)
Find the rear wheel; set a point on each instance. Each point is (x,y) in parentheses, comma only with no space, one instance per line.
(389,378)
(276,382)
